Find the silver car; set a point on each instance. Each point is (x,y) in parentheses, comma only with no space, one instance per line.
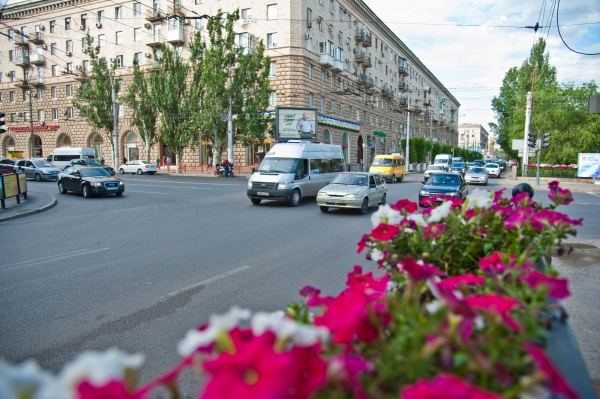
(477,175)
(433,169)
(358,190)
(493,169)
(37,168)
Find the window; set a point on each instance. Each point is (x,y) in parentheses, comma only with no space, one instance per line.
(54,113)
(322,105)
(271,40)
(54,70)
(69,113)
(322,77)
(320,22)
(271,11)
(53,48)
(308,18)
(137,9)
(341,13)
(0,77)
(83,23)
(27,116)
(86,66)
(100,16)
(54,92)
(342,110)
(331,7)
(246,15)
(13,117)
(101,40)
(119,38)
(198,24)
(273,99)
(68,23)
(137,57)
(310,100)
(273,68)
(118,12)
(196,2)
(11,34)
(310,72)
(309,45)
(332,106)
(12,96)
(11,55)
(349,20)
(40,115)
(118,85)
(69,90)
(340,38)
(40,93)
(332,81)
(69,47)
(121,109)
(119,61)
(52,26)
(69,67)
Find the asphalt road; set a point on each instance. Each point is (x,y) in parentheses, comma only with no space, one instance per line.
(137,272)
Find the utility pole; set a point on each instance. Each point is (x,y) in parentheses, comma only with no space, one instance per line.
(407,160)
(115,129)
(30,125)
(230,124)
(527,122)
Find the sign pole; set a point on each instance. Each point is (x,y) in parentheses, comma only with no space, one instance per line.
(527,122)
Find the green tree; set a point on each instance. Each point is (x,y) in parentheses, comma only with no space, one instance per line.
(139,99)
(93,100)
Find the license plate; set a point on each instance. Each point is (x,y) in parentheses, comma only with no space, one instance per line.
(335,201)
(112,188)
(262,193)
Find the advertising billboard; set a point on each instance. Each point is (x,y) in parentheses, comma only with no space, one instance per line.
(294,123)
(588,165)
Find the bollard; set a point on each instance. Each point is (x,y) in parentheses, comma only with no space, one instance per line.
(184,168)
(239,168)
(201,168)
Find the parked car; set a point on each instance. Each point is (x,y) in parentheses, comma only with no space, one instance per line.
(477,175)
(38,169)
(7,165)
(357,190)
(139,167)
(89,181)
(447,183)
(492,169)
(478,162)
(92,162)
(433,169)
(459,167)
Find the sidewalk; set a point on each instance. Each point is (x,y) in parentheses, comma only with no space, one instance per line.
(35,203)
(581,187)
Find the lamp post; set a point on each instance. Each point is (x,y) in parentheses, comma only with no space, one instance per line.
(30,125)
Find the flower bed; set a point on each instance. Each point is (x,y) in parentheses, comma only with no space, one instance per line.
(458,311)
(549,170)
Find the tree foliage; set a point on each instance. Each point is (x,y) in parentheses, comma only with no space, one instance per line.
(557,109)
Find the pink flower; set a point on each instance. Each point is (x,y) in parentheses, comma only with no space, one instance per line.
(110,390)
(558,383)
(496,304)
(309,371)
(374,288)
(362,243)
(347,368)
(385,232)
(253,371)
(445,386)
(429,201)
(523,200)
(433,230)
(559,195)
(498,196)
(557,288)
(313,297)
(518,219)
(418,271)
(405,205)
(493,264)
(451,282)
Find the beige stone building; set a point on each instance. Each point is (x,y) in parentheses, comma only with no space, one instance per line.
(474,137)
(333,55)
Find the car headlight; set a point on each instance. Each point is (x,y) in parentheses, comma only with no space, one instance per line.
(423,192)
(322,194)
(97,184)
(121,183)
(452,194)
(351,196)
(282,184)
(249,183)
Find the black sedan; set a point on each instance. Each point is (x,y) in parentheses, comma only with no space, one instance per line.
(459,167)
(89,180)
(92,162)
(450,184)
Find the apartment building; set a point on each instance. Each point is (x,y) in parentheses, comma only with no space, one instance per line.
(333,55)
(474,137)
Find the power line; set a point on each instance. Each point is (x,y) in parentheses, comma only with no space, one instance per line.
(563,40)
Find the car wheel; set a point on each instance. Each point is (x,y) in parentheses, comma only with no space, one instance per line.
(61,188)
(364,208)
(151,173)
(401,178)
(255,201)
(87,193)
(393,180)
(121,171)
(38,177)
(296,198)
(324,208)
(118,194)
(139,172)
(383,200)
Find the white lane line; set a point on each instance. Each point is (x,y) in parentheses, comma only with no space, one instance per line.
(46,258)
(146,192)
(178,188)
(208,280)
(594,194)
(180,182)
(33,263)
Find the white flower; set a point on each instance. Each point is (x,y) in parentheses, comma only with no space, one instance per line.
(217,324)
(440,212)
(284,328)
(418,219)
(385,214)
(96,367)
(433,306)
(480,199)
(22,381)
(376,255)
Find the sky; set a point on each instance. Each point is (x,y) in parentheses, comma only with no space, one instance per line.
(469,45)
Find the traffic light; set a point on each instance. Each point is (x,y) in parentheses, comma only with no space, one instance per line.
(368,141)
(546,140)
(2,122)
(531,140)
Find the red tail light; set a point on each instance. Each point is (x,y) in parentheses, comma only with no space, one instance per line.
(147,166)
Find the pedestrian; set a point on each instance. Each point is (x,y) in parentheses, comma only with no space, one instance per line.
(226,167)
(168,161)
(157,162)
(164,160)
(209,163)
(124,161)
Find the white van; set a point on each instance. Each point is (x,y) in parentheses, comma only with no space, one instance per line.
(293,170)
(61,157)
(443,159)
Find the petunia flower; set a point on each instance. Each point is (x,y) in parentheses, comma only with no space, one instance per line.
(440,212)
(22,380)
(373,287)
(558,383)
(362,243)
(559,195)
(385,232)
(110,390)
(445,386)
(518,218)
(417,270)
(347,369)
(385,214)
(479,199)
(433,230)
(452,282)
(405,205)
(308,373)
(303,335)
(418,219)
(557,288)
(497,304)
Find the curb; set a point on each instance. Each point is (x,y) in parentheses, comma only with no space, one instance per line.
(44,208)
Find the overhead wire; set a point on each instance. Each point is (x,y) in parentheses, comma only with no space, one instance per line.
(561,37)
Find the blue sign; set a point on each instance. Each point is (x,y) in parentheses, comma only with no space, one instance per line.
(223,117)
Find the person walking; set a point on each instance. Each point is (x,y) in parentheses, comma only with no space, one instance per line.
(157,162)
(226,167)
(164,160)
(124,161)
(168,162)
(209,163)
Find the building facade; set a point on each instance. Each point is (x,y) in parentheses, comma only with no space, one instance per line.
(474,137)
(333,55)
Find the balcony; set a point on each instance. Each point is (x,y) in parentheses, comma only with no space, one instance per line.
(175,36)
(403,67)
(22,83)
(387,93)
(37,38)
(326,60)
(37,59)
(402,86)
(38,82)
(367,62)
(81,76)
(403,102)
(155,15)
(154,40)
(365,80)
(427,114)
(176,9)
(21,40)
(337,65)
(22,60)
(361,36)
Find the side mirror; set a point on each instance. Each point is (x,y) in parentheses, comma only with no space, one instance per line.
(424,182)
(372,185)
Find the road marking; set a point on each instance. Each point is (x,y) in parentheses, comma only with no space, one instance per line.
(181,182)
(178,188)
(208,280)
(594,194)
(147,192)
(49,259)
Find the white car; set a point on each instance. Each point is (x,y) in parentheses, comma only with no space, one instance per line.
(477,175)
(139,167)
(357,190)
(493,169)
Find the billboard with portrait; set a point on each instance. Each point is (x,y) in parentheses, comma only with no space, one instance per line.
(295,123)
(588,165)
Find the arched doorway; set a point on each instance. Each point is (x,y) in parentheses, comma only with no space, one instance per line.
(168,153)
(326,137)
(130,150)
(345,147)
(359,150)
(8,145)
(37,147)
(64,141)
(96,142)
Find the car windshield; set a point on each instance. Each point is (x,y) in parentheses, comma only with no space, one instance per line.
(435,167)
(458,165)
(477,170)
(93,172)
(441,161)
(491,165)
(278,165)
(351,179)
(444,179)
(40,163)
(382,162)
(93,162)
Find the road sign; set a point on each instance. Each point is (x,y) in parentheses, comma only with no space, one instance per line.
(223,117)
